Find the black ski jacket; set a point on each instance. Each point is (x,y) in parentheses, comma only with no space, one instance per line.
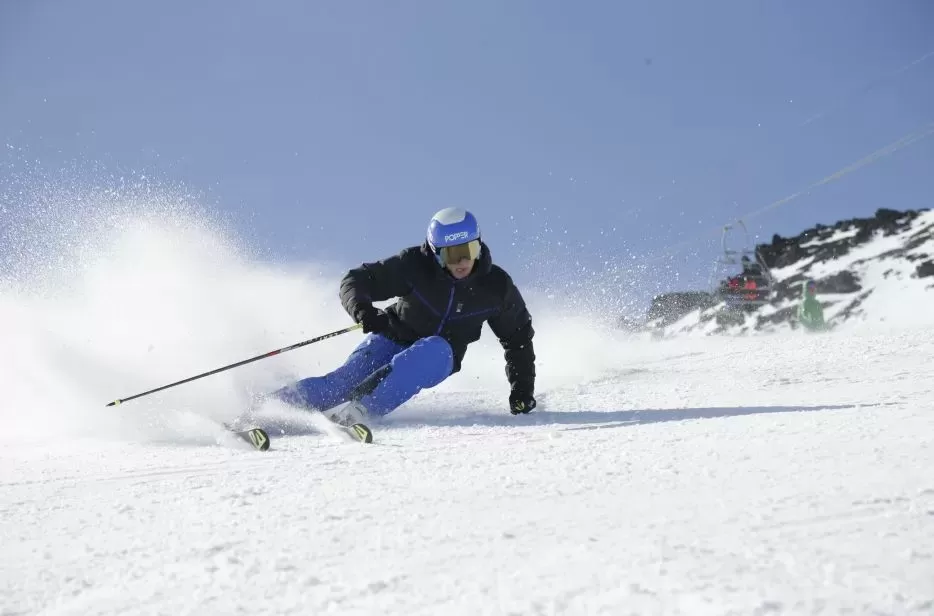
(433,303)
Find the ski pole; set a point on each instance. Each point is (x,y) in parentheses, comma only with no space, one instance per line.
(240,363)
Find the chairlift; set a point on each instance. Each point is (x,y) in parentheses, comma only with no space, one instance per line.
(739,277)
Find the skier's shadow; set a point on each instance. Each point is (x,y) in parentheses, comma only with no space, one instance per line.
(594,420)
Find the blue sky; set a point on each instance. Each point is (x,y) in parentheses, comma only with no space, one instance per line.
(583,135)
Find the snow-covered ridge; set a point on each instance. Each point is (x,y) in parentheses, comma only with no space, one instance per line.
(878,269)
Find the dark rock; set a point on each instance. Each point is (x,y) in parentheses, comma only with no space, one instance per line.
(852,308)
(886,216)
(925,269)
(629,324)
(842,282)
(669,307)
(779,316)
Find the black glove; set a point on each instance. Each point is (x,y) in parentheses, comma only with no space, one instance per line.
(520,402)
(373,320)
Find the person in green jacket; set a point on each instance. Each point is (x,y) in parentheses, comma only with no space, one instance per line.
(810,312)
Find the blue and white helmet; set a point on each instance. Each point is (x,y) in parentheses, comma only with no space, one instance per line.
(453,235)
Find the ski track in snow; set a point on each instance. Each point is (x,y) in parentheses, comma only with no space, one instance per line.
(772,474)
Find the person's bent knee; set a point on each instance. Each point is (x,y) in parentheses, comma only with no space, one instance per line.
(433,357)
(442,356)
(438,345)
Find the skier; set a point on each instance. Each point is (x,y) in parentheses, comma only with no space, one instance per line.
(446,289)
(810,312)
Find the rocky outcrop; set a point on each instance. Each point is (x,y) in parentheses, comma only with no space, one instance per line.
(846,260)
(668,308)
(819,243)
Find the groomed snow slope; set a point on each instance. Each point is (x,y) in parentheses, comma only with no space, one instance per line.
(688,478)
(764,474)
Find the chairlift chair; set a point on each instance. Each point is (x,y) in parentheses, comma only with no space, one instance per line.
(740,278)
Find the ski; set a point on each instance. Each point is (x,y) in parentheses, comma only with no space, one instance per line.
(356,432)
(361,432)
(257,437)
(344,418)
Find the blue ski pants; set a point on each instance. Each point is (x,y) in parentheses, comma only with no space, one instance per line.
(380,373)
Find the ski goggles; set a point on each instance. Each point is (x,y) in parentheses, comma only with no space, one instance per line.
(452,255)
